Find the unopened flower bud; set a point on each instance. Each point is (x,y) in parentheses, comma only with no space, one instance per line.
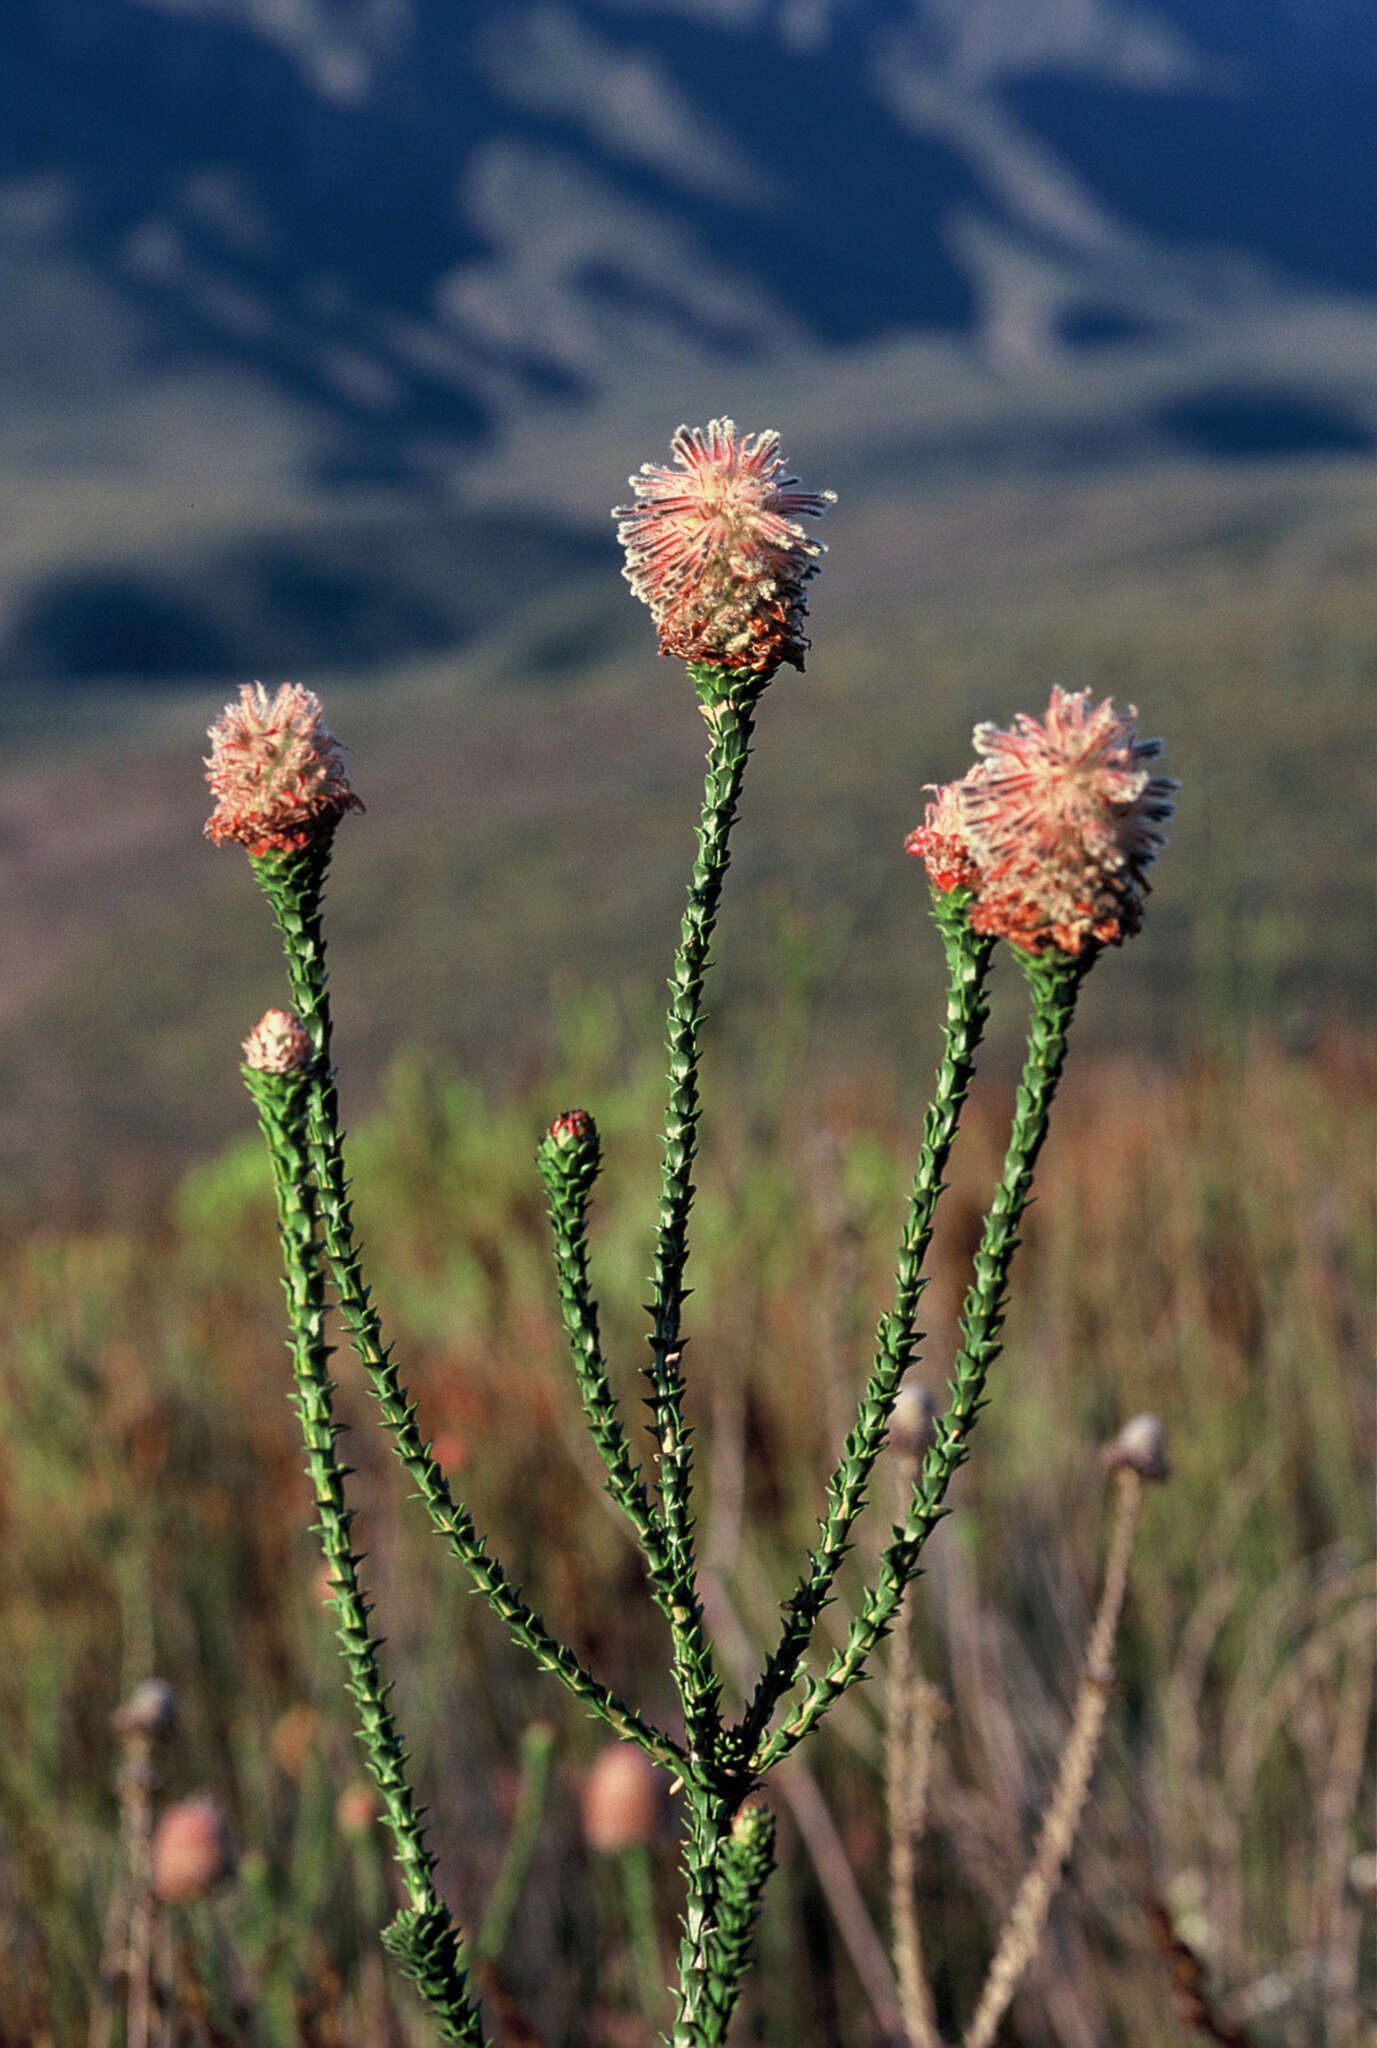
(278,1044)
(752,1821)
(1141,1447)
(621,1803)
(193,1851)
(573,1129)
(149,1711)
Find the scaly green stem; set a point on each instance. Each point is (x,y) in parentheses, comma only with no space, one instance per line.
(968,959)
(428,1944)
(730,711)
(537,1756)
(1055,981)
(568,1166)
(746,1861)
(293,884)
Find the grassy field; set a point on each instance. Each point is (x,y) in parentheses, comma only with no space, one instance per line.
(1201,1246)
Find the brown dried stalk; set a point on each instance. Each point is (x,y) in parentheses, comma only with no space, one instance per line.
(1022,1931)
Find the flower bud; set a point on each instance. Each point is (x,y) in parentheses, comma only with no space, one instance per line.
(752,1821)
(1141,1447)
(573,1130)
(278,1044)
(150,1711)
(621,1800)
(193,1852)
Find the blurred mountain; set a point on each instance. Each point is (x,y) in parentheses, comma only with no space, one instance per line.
(332,327)
(262,258)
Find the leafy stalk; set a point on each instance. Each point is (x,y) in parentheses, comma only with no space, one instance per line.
(1055,980)
(568,1160)
(730,711)
(748,1857)
(293,884)
(537,1758)
(424,1939)
(968,958)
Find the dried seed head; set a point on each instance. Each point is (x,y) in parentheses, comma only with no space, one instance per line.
(150,1711)
(278,1044)
(1054,828)
(276,772)
(193,1851)
(621,1800)
(715,549)
(1141,1447)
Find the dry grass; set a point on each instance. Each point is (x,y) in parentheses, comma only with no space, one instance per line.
(1200,1246)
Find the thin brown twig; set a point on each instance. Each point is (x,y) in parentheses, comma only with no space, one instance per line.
(913,1710)
(1022,1930)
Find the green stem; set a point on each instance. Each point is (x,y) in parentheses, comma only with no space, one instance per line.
(1055,981)
(293,885)
(730,720)
(746,1862)
(638,1897)
(568,1169)
(968,959)
(436,1960)
(706,1837)
(537,1755)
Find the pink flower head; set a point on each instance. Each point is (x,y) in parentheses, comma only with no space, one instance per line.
(941,841)
(278,1044)
(276,772)
(715,549)
(193,1852)
(1054,828)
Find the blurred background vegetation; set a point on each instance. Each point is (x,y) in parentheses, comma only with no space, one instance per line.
(330,335)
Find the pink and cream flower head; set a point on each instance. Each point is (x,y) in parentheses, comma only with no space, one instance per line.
(278,1044)
(715,549)
(1054,828)
(276,772)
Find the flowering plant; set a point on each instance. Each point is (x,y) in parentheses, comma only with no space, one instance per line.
(1043,844)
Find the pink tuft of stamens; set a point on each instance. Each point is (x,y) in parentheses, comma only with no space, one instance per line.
(1054,828)
(714,548)
(276,772)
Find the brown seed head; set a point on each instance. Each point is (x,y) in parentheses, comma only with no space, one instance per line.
(1140,1446)
(150,1711)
